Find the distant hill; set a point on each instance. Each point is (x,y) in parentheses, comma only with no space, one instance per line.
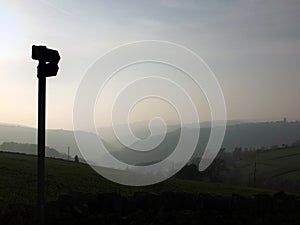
(263,134)
(248,135)
(244,135)
(57,139)
(30,149)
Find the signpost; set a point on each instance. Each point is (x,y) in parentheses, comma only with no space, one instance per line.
(47,67)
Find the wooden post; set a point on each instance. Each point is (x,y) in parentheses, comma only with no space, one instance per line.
(41,148)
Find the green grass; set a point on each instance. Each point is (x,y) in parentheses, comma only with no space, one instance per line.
(279,153)
(18,181)
(276,166)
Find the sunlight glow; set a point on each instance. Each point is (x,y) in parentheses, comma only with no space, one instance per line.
(11,29)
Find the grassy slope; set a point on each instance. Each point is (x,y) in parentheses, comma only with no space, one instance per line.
(274,166)
(18,181)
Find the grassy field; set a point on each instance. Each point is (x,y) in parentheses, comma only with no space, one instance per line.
(18,181)
(279,166)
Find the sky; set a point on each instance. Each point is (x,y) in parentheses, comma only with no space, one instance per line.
(253,48)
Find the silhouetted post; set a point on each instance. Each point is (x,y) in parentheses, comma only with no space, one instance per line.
(41,148)
(47,67)
(68,152)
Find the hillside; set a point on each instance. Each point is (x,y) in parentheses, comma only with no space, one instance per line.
(248,135)
(18,181)
(57,139)
(245,135)
(278,168)
(30,149)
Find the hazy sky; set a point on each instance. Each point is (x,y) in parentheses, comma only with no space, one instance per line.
(253,47)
